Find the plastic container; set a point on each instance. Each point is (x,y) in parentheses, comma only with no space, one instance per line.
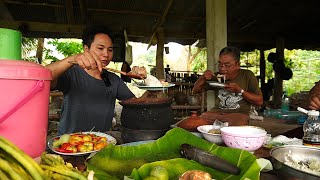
(290,115)
(24,97)
(311,129)
(248,138)
(285,102)
(10,44)
(272,113)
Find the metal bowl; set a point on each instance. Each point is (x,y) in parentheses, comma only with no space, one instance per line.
(298,153)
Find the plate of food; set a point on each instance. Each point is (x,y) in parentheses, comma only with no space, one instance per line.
(80,143)
(216,84)
(155,88)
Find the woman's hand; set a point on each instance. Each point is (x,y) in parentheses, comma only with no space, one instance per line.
(88,60)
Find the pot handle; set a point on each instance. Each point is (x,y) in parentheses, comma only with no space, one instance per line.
(38,87)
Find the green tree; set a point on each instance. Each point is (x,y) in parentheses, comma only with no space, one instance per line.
(67,47)
(199,62)
(28,45)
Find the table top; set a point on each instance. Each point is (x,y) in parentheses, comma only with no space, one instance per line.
(275,126)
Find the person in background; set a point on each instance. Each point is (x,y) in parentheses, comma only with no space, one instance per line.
(314,97)
(90,92)
(241,89)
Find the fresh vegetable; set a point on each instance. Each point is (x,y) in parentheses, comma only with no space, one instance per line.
(63,139)
(137,161)
(16,164)
(79,142)
(56,168)
(150,178)
(160,172)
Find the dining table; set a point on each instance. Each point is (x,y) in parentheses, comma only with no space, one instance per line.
(273,126)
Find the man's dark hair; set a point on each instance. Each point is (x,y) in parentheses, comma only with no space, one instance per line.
(90,32)
(233,51)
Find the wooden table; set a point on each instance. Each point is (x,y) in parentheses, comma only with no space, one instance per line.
(272,125)
(275,126)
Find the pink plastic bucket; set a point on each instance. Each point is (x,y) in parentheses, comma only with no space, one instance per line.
(24,97)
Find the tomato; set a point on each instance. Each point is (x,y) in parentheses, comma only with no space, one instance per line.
(87,138)
(65,145)
(103,139)
(75,139)
(86,146)
(72,148)
(99,145)
(63,150)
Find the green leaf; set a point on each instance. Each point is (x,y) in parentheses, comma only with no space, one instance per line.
(121,161)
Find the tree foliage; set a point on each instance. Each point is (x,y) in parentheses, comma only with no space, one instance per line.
(28,45)
(67,48)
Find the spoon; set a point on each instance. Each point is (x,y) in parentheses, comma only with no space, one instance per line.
(129,74)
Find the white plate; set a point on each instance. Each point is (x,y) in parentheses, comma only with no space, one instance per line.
(110,140)
(216,84)
(155,88)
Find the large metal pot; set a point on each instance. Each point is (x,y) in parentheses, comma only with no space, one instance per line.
(133,135)
(297,153)
(147,113)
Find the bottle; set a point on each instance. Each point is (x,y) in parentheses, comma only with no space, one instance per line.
(311,129)
(285,102)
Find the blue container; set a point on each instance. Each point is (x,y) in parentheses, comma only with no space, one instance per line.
(302,119)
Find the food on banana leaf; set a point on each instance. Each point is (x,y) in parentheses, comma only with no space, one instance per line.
(137,161)
(195,174)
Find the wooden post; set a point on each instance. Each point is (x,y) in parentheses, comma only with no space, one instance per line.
(159,55)
(40,49)
(216,32)
(262,68)
(278,83)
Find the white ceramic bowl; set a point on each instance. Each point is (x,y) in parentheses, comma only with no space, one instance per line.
(248,138)
(214,138)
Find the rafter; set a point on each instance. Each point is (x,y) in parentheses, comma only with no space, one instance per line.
(83,11)
(69,11)
(160,21)
(5,14)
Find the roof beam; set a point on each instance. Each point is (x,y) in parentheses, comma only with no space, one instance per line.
(44,27)
(5,14)
(160,21)
(69,11)
(83,11)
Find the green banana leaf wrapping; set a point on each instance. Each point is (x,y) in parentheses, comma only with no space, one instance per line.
(137,161)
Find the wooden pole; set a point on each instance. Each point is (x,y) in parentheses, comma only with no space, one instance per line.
(159,55)
(278,83)
(262,68)
(216,32)
(39,53)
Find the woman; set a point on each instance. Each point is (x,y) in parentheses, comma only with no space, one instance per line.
(90,92)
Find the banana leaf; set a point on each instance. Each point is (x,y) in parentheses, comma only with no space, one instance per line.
(120,161)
